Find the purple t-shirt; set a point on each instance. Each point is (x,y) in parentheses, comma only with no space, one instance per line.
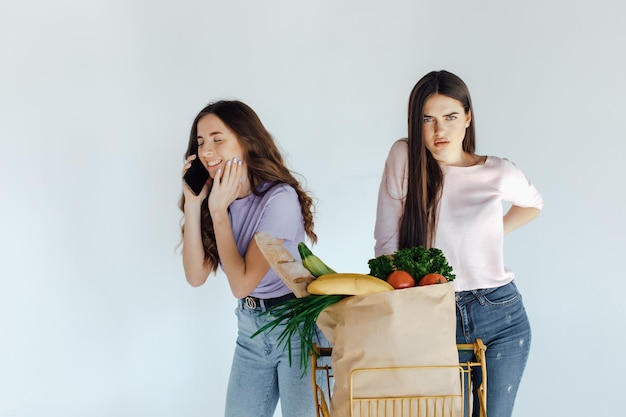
(278,213)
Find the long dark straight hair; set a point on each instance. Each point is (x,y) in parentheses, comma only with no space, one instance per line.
(263,159)
(425,183)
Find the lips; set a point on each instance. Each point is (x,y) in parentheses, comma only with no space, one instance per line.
(213,163)
(441,142)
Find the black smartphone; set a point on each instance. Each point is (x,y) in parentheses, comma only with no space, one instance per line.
(196,176)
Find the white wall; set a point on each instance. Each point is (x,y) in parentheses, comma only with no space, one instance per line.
(96,101)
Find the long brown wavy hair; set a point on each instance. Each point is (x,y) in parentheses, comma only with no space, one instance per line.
(263,159)
(425,183)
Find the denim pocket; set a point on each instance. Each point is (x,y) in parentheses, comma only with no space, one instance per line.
(501,296)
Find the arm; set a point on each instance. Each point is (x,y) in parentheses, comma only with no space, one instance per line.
(518,216)
(244,273)
(526,201)
(391,195)
(196,270)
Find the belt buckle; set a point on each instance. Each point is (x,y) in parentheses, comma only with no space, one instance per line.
(250,302)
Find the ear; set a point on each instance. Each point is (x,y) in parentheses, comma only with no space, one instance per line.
(468,118)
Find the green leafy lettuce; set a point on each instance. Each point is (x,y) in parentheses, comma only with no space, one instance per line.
(417,261)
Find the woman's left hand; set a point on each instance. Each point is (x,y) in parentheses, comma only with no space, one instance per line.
(227,185)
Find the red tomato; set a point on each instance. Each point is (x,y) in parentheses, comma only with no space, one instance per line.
(400,279)
(429,279)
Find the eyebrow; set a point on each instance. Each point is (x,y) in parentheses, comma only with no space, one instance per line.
(211,134)
(445,115)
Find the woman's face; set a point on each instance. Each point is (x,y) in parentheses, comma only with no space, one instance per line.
(443,129)
(217,144)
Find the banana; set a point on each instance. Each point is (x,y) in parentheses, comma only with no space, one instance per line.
(311,262)
(347,284)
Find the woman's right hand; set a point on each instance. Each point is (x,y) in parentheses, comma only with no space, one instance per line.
(190,197)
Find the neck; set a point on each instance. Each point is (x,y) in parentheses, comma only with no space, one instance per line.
(245,189)
(462,160)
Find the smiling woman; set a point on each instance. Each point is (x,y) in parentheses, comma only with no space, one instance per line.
(217,145)
(249,189)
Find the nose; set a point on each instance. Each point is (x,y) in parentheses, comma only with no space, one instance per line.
(438,127)
(206,151)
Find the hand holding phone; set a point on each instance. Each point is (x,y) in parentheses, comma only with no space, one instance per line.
(196,176)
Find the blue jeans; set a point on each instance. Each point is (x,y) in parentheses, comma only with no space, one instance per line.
(497,316)
(261,373)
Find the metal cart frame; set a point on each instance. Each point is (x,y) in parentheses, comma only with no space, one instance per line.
(435,405)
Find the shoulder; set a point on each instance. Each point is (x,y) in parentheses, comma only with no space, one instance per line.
(401,146)
(399,151)
(280,189)
(278,192)
(504,165)
(508,173)
(281,207)
(498,162)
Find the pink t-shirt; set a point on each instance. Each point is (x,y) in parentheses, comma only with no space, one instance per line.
(278,213)
(470,227)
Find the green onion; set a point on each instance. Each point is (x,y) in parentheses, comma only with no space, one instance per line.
(299,316)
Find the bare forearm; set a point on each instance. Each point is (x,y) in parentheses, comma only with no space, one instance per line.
(196,270)
(231,260)
(518,216)
(243,272)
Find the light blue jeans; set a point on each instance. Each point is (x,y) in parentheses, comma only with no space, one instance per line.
(498,317)
(261,373)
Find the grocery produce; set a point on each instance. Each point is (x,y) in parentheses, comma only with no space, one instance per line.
(417,261)
(347,284)
(318,286)
(312,262)
(430,279)
(298,316)
(400,280)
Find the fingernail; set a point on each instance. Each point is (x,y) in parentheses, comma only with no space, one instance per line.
(235,159)
(240,163)
(219,171)
(228,162)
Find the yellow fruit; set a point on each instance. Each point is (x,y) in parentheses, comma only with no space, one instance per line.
(347,284)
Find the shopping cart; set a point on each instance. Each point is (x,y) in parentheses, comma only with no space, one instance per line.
(430,405)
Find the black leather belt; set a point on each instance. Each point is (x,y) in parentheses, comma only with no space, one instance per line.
(253,302)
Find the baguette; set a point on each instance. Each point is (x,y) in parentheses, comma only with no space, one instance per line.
(290,270)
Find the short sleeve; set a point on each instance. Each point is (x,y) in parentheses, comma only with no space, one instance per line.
(517,189)
(282,217)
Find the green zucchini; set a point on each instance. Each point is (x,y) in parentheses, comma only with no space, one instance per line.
(311,262)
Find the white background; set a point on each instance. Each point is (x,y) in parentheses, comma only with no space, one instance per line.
(96,102)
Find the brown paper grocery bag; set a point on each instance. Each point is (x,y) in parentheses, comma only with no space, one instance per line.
(414,327)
